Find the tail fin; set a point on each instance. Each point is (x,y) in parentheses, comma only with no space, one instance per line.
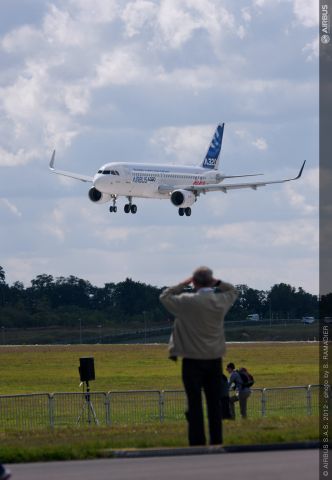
(211,159)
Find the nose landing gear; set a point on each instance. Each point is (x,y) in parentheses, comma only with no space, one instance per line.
(114,208)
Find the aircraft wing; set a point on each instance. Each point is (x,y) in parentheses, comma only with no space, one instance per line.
(214,187)
(77,176)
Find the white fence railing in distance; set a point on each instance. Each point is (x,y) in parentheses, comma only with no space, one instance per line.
(25,412)
(33,411)
(174,404)
(136,406)
(79,408)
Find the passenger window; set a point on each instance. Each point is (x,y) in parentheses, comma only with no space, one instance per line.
(107,172)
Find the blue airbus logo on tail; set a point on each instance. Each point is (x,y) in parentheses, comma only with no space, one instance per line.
(212,156)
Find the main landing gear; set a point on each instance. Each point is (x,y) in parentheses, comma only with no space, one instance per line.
(129,207)
(185,211)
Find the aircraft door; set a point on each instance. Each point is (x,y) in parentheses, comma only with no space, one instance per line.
(125,173)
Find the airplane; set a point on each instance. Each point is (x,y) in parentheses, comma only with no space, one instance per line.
(182,185)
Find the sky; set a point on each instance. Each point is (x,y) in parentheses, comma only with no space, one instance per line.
(148,81)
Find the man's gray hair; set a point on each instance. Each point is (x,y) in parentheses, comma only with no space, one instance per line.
(203,276)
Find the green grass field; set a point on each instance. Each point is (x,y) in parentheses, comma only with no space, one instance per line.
(143,367)
(80,443)
(140,367)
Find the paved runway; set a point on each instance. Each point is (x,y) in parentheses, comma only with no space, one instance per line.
(275,465)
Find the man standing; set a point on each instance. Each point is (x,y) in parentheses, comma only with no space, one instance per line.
(198,337)
(242,391)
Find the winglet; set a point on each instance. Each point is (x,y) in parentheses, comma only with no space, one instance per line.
(301,170)
(52,160)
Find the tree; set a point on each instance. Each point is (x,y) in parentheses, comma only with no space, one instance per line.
(281,300)
(2,286)
(2,275)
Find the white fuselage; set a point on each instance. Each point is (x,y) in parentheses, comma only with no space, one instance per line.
(143,180)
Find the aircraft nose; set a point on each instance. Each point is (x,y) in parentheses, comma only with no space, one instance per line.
(99,182)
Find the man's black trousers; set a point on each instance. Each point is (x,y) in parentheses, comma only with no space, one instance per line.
(198,375)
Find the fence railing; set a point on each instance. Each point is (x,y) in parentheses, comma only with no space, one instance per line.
(42,410)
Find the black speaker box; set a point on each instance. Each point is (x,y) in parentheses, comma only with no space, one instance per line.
(87,369)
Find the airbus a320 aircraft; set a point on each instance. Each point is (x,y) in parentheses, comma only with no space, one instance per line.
(182,185)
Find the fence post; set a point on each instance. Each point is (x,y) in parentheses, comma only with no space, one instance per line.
(264,402)
(108,408)
(51,409)
(309,405)
(161,406)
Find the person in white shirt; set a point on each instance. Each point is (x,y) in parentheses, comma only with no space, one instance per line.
(198,337)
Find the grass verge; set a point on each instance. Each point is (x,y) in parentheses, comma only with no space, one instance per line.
(141,367)
(89,442)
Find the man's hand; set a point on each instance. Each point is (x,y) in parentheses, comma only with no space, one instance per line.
(173,358)
(187,282)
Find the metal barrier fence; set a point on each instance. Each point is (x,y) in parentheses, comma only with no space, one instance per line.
(33,411)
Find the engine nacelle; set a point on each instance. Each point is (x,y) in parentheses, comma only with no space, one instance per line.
(98,197)
(182,198)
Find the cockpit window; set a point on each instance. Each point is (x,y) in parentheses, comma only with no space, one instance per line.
(109,172)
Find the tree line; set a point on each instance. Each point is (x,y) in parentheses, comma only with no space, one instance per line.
(50,301)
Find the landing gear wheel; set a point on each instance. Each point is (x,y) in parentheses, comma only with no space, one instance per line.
(127,208)
(181,212)
(187,211)
(113,208)
(133,208)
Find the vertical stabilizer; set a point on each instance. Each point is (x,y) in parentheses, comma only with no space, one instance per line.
(211,159)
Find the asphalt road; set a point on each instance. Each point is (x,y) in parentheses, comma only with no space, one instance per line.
(275,465)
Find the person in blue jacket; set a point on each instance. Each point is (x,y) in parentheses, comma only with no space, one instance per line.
(242,392)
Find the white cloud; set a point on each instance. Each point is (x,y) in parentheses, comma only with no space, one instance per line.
(137,15)
(312,49)
(94,11)
(260,234)
(246,14)
(24,39)
(77,99)
(306,12)
(298,193)
(260,144)
(54,224)
(61,29)
(10,206)
(21,157)
(119,67)
(178,20)
(187,144)
(26,95)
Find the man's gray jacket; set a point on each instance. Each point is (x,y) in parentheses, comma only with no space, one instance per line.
(199,320)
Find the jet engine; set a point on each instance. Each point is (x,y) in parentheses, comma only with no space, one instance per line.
(98,197)
(182,198)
